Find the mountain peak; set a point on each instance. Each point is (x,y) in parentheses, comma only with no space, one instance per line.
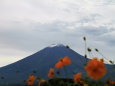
(56,45)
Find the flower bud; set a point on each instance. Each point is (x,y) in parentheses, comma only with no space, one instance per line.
(96,49)
(84,38)
(110,61)
(89,50)
(85,56)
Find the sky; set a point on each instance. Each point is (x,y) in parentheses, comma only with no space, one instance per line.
(28,26)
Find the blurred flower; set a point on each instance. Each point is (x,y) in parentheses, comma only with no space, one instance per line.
(84,38)
(111,82)
(81,82)
(66,60)
(89,49)
(31,80)
(85,56)
(67,46)
(2,77)
(34,71)
(96,49)
(58,72)
(62,62)
(24,80)
(111,61)
(77,77)
(102,60)
(59,64)
(41,81)
(32,77)
(51,73)
(95,69)
(106,85)
(85,85)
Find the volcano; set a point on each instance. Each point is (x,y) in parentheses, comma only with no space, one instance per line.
(39,64)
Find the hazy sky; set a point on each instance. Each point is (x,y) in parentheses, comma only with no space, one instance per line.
(27,26)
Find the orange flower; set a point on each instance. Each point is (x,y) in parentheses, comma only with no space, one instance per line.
(81,82)
(31,80)
(32,77)
(66,60)
(51,73)
(85,85)
(111,82)
(106,85)
(41,81)
(59,64)
(62,62)
(77,77)
(95,69)
(102,60)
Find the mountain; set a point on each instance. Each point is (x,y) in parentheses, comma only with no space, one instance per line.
(39,64)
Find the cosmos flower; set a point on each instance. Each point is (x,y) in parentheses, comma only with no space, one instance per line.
(31,80)
(77,77)
(106,85)
(95,69)
(59,64)
(102,60)
(66,60)
(51,73)
(32,77)
(85,85)
(62,62)
(41,81)
(111,82)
